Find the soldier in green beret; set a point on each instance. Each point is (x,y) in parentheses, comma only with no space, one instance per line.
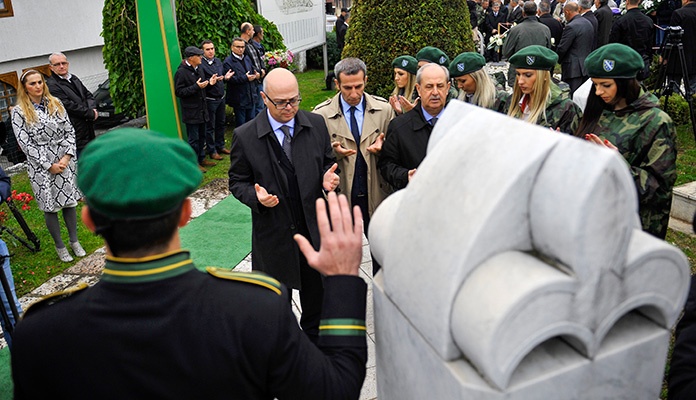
(475,85)
(430,54)
(155,326)
(622,116)
(404,96)
(535,97)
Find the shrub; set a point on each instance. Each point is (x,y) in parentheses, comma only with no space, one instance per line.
(315,56)
(677,108)
(383,30)
(217,20)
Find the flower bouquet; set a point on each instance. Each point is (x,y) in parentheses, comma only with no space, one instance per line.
(649,6)
(497,41)
(279,58)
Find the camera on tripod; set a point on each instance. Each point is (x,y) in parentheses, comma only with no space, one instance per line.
(674,33)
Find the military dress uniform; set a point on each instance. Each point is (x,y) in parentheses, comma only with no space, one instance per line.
(157,327)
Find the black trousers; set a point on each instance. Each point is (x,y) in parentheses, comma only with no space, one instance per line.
(311,299)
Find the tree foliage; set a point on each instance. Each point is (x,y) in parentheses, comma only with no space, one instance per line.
(381,30)
(217,20)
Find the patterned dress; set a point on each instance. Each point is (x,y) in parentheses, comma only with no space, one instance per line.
(45,143)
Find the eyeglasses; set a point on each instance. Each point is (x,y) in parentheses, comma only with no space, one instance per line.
(294,102)
(60,63)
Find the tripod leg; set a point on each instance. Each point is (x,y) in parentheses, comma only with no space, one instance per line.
(687,88)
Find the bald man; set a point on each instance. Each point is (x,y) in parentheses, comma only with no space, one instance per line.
(281,162)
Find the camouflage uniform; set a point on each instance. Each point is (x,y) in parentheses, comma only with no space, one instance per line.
(502,102)
(646,138)
(561,112)
(480,15)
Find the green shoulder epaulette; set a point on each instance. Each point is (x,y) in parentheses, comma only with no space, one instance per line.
(54,298)
(323,104)
(256,278)
(379,98)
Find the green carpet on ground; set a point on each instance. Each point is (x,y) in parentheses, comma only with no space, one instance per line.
(5,375)
(221,236)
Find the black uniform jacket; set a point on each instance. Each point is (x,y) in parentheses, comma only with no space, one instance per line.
(254,160)
(79,103)
(157,328)
(404,147)
(191,96)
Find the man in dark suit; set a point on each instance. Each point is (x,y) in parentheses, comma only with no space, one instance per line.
(341,29)
(78,101)
(189,86)
(494,17)
(635,30)
(555,26)
(586,12)
(515,14)
(408,134)
(241,87)
(281,163)
(605,18)
(575,46)
(686,18)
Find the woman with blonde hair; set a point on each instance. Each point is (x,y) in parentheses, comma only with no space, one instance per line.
(404,96)
(475,85)
(535,98)
(45,135)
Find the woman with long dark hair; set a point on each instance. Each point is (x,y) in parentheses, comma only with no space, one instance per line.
(620,115)
(45,135)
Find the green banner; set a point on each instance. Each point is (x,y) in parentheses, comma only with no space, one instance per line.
(160,56)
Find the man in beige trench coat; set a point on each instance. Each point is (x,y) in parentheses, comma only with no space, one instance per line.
(353,116)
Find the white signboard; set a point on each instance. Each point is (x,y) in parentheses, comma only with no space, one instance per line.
(301,22)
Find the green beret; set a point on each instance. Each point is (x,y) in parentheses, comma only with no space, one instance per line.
(466,63)
(433,55)
(614,61)
(534,57)
(134,173)
(407,63)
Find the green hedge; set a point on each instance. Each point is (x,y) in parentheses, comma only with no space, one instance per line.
(381,30)
(315,56)
(217,20)
(677,108)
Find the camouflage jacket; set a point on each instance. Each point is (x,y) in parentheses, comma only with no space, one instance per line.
(646,138)
(561,112)
(501,103)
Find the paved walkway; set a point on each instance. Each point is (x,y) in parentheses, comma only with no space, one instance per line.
(89,269)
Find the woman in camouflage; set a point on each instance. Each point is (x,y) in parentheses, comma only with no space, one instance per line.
(404,95)
(622,116)
(535,98)
(475,85)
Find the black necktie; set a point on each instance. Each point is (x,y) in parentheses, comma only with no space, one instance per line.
(354,126)
(433,121)
(287,145)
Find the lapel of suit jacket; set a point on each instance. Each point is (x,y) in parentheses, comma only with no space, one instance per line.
(265,134)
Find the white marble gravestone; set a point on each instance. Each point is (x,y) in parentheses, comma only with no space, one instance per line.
(514,267)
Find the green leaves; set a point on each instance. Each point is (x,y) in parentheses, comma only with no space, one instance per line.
(381,30)
(216,20)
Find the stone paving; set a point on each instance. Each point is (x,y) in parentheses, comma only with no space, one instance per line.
(89,269)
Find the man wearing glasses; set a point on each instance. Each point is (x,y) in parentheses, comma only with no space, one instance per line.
(241,89)
(281,162)
(78,101)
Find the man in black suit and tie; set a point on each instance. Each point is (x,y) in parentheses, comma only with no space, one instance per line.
(586,12)
(576,45)
(78,101)
(281,162)
(515,16)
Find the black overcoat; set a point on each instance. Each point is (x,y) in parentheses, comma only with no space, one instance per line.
(79,103)
(191,96)
(254,160)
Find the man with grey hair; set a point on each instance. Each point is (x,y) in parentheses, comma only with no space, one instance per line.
(527,33)
(357,123)
(408,134)
(552,23)
(586,12)
(576,45)
(78,101)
